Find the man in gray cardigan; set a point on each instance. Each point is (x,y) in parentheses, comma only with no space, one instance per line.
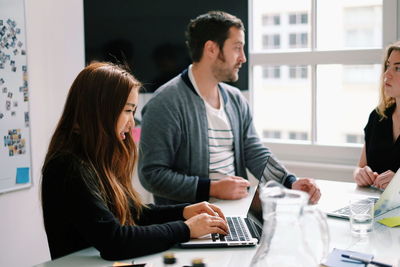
(197,134)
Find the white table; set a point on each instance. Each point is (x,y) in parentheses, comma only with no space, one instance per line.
(383,242)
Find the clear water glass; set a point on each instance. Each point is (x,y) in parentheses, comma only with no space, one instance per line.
(361,216)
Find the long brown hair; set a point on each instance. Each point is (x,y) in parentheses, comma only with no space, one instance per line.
(385,101)
(94,102)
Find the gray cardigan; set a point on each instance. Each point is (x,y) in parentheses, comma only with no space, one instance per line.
(173,152)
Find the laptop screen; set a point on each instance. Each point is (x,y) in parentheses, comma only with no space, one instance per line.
(255,210)
(390,198)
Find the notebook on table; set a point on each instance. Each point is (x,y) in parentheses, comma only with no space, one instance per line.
(243,231)
(388,200)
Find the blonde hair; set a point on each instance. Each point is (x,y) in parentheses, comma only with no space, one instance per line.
(385,102)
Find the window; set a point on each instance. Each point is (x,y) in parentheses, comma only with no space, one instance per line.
(298,135)
(271,72)
(298,40)
(325,68)
(271,20)
(361,26)
(271,134)
(271,41)
(298,72)
(354,138)
(298,18)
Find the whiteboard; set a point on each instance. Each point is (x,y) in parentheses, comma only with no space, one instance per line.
(15,150)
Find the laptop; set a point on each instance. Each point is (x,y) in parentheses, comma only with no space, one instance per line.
(388,200)
(243,231)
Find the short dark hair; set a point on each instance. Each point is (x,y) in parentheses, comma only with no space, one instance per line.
(214,26)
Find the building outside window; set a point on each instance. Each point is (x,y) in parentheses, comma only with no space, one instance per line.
(271,134)
(354,138)
(271,41)
(271,72)
(298,40)
(298,135)
(325,68)
(298,72)
(271,20)
(298,18)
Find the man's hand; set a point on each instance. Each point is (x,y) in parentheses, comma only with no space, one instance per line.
(364,176)
(308,185)
(230,187)
(383,179)
(202,207)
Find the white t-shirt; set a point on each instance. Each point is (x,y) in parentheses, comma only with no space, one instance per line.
(220,138)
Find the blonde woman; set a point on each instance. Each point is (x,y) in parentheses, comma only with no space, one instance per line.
(380,157)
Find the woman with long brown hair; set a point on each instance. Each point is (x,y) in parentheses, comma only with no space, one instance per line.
(380,157)
(87,193)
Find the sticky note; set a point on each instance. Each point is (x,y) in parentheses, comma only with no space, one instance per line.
(22,175)
(391,221)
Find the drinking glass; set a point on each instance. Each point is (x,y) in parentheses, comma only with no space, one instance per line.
(361,215)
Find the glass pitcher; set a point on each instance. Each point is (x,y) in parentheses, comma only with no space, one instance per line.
(294,234)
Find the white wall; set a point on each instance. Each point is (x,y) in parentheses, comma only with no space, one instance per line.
(55,49)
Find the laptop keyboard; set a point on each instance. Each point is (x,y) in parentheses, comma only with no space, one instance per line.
(346,210)
(237,231)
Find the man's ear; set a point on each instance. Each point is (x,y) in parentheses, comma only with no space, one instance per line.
(211,49)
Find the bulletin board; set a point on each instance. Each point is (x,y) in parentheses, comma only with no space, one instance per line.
(15,152)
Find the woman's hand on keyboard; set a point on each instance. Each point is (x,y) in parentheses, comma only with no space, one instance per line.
(203,224)
(202,207)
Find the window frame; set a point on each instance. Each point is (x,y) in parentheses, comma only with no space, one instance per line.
(311,151)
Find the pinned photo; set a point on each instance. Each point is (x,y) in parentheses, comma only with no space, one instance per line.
(4,90)
(26,119)
(8,105)
(10,94)
(15,142)
(13,113)
(1,115)
(1,81)
(15,52)
(15,104)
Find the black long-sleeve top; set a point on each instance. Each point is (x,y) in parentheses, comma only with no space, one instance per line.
(383,153)
(75,218)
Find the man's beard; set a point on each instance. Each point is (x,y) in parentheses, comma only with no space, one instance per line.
(223,73)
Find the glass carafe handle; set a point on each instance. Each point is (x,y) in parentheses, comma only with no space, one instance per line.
(313,213)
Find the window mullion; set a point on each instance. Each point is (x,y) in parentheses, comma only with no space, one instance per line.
(390,22)
(314,104)
(313,31)
(313,26)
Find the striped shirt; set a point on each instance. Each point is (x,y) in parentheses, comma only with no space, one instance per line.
(220,138)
